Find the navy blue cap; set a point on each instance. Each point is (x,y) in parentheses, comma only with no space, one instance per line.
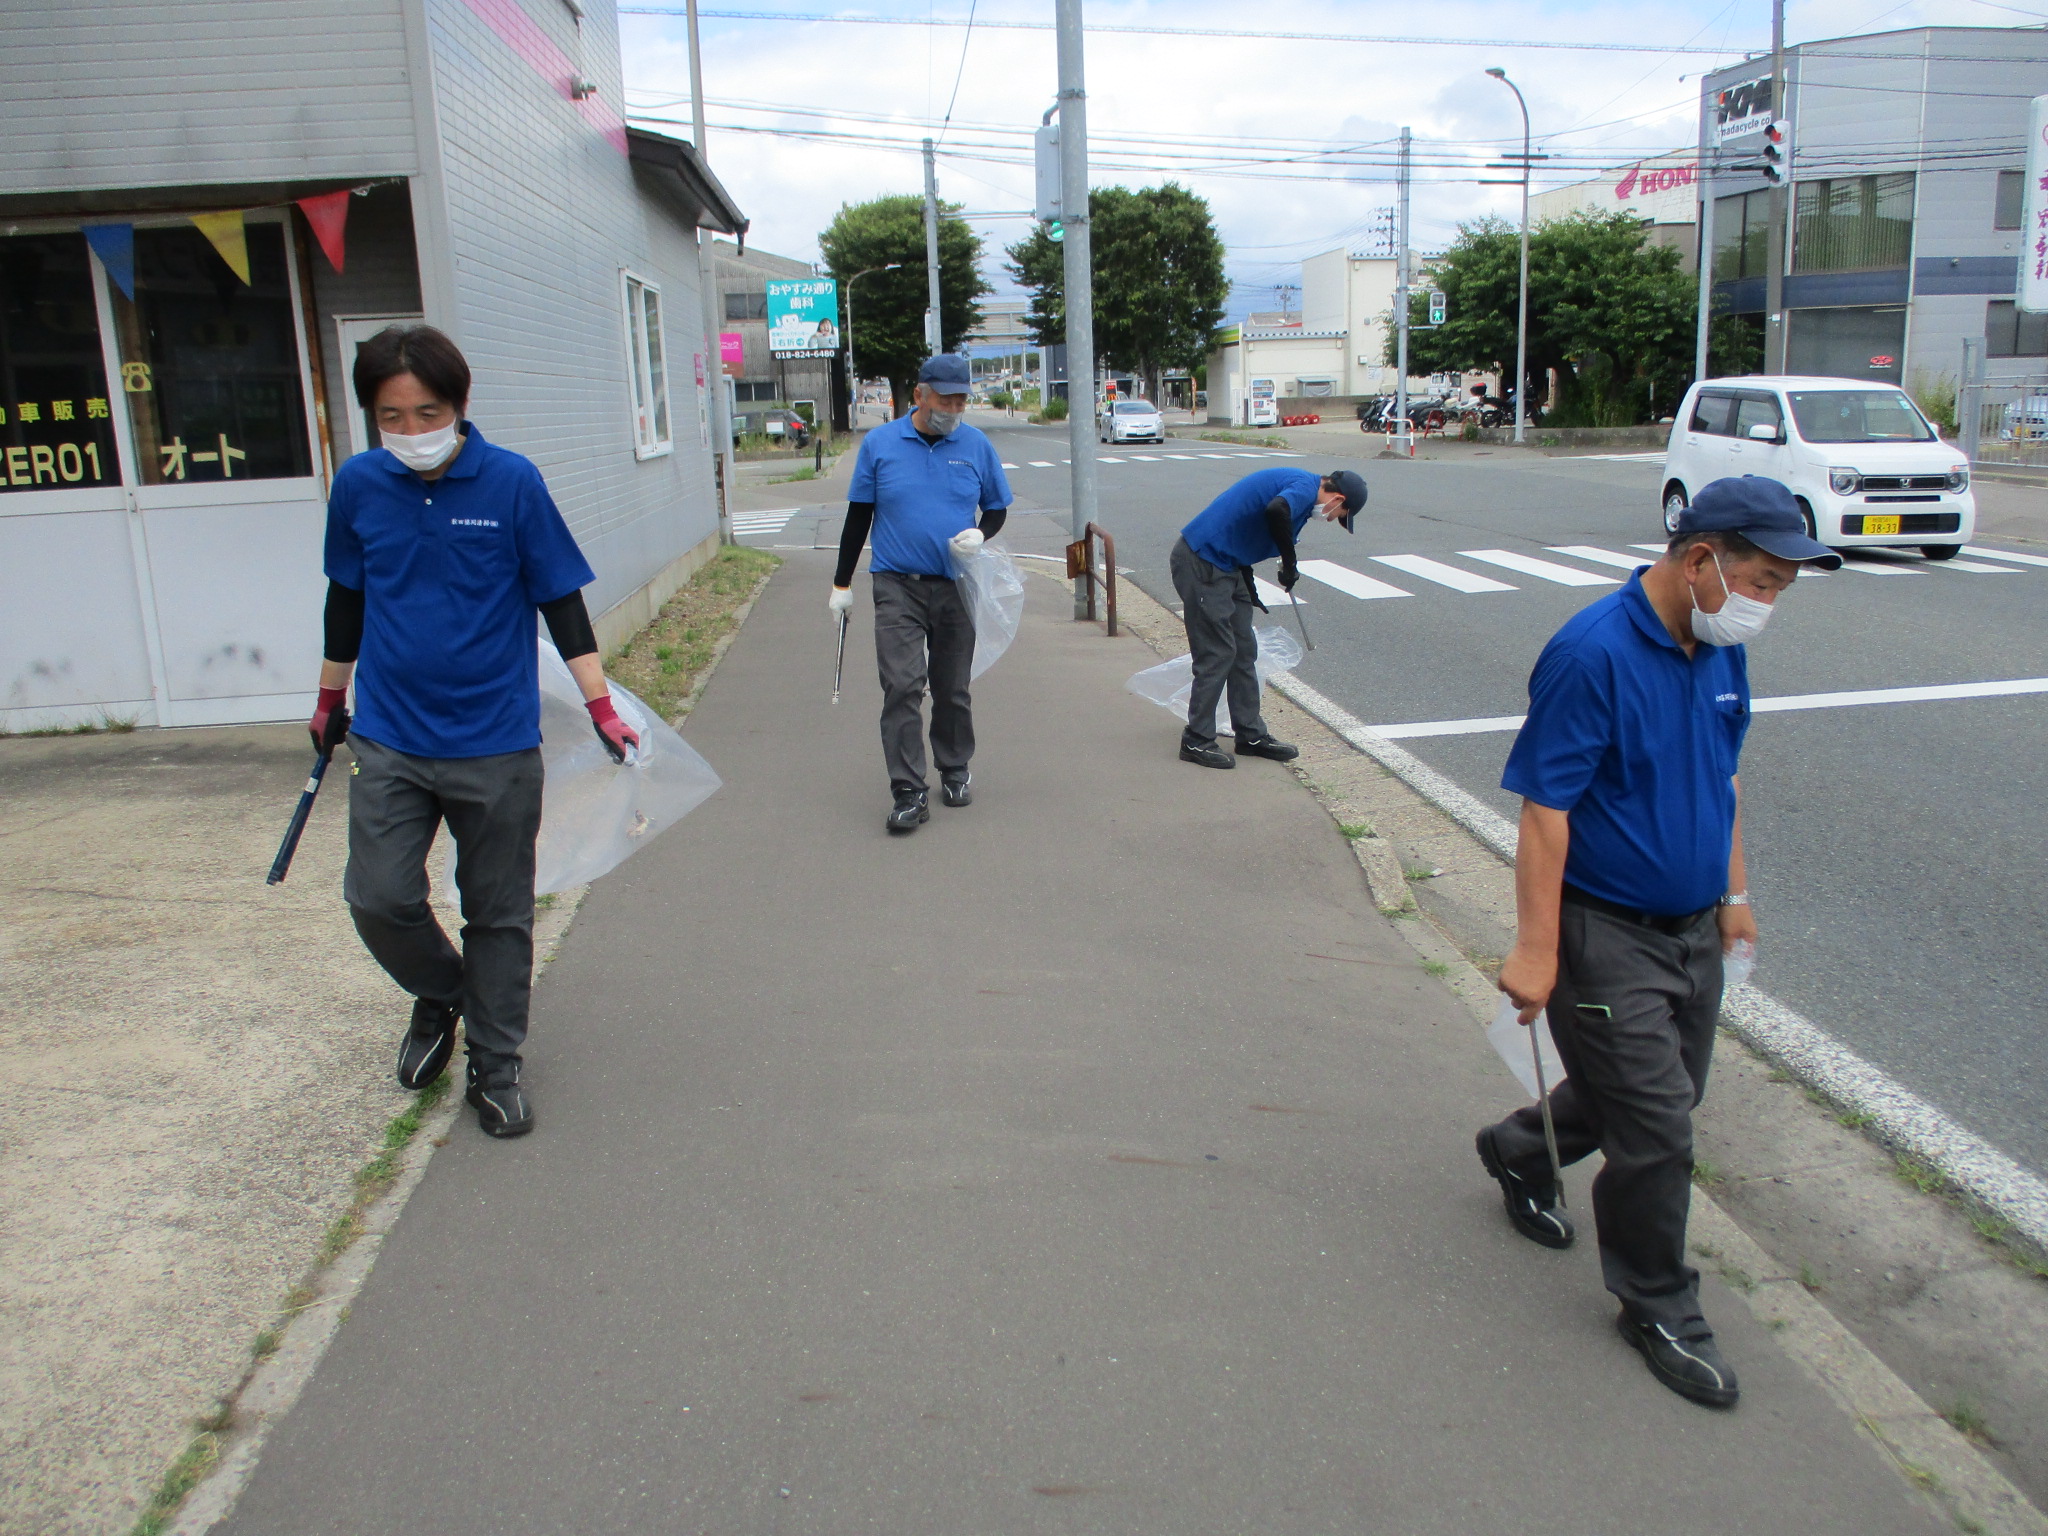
(947,373)
(1349,484)
(1763,512)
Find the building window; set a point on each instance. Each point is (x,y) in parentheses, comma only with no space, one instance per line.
(2005,207)
(1853,223)
(56,418)
(746,306)
(2008,333)
(753,389)
(648,365)
(1740,228)
(210,364)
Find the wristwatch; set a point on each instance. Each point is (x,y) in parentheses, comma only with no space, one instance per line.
(1735,899)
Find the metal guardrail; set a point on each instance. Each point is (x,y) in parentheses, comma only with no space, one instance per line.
(1081,563)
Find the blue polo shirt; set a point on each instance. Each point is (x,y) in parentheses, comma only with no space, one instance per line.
(1637,743)
(924,493)
(1231,532)
(451,571)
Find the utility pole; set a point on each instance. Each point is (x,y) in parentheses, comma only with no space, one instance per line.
(932,331)
(1080,278)
(707,292)
(1779,194)
(1401,422)
(1699,346)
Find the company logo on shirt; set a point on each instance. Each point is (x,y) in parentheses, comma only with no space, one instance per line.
(1725,698)
(472,522)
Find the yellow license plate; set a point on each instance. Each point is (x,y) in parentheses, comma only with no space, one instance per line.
(1888,523)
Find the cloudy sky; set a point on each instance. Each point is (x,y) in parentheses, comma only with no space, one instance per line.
(806,115)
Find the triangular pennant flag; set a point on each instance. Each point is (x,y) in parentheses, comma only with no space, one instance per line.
(114,244)
(229,237)
(328,214)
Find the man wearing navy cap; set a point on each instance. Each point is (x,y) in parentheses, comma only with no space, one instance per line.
(1259,518)
(1629,885)
(918,483)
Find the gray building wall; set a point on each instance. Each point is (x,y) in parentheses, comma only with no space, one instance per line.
(796,378)
(381,277)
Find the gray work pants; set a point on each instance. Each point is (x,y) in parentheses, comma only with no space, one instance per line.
(492,806)
(924,637)
(1633,1017)
(1217,608)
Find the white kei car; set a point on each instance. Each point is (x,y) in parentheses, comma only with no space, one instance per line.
(1864,465)
(1131,421)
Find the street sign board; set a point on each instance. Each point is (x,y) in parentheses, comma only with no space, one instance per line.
(732,351)
(2033,290)
(1045,152)
(1742,109)
(803,317)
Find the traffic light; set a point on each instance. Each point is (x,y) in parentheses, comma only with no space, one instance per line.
(1778,152)
(1056,231)
(1437,308)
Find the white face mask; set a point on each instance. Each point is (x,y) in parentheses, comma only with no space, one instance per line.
(942,422)
(429,450)
(1740,620)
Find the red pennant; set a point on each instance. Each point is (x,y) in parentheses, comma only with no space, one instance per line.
(328,214)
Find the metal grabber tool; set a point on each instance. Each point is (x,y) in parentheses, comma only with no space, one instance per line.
(1543,1100)
(1295,603)
(839,667)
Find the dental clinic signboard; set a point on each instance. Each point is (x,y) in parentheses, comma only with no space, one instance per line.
(2033,289)
(803,317)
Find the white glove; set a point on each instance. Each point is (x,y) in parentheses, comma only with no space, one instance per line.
(840,602)
(966,543)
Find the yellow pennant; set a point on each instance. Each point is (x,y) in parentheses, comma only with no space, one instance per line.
(229,237)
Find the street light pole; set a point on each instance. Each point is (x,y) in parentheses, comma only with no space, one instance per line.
(933,331)
(707,294)
(853,378)
(1522,301)
(1080,281)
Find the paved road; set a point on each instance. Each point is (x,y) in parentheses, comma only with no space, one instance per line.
(1896,849)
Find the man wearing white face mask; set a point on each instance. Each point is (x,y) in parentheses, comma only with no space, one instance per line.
(1629,887)
(919,483)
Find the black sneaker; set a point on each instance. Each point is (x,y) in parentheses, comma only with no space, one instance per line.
(501,1105)
(1211,756)
(956,788)
(1685,1358)
(1266,746)
(911,811)
(1533,1210)
(425,1050)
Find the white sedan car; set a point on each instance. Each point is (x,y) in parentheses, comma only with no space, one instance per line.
(1131,421)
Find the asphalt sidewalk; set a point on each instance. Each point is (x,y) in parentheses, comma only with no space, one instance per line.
(1096,1159)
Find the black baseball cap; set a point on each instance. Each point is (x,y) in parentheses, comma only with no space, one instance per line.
(1763,512)
(1349,484)
(947,373)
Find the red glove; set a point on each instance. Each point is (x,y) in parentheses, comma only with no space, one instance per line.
(329,725)
(616,735)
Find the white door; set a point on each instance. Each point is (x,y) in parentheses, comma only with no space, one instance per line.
(351,331)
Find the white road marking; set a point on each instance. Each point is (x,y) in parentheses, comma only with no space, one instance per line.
(1977,567)
(1600,556)
(1344,579)
(1655,549)
(1250,455)
(1105,458)
(1215,455)
(1869,567)
(1622,458)
(1009,466)
(1042,464)
(1272,596)
(1443,575)
(1529,565)
(1179,455)
(1784,703)
(2004,554)
(1146,458)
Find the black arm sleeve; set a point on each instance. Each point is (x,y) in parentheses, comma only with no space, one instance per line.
(860,517)
(343,623)
(569,626)
(992,521)
(1280,523)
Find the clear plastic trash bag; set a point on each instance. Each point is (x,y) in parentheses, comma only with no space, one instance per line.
(995,596)
(1738,961)
(1171,682)
(1517,1044)
(595,813)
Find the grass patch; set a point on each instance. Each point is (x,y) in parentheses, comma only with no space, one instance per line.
(1741,1279)
(1918,1174)
(1968,1419)
(1437,968)
(808,472)
(106,725)
(1401,911)
(199,1457)
(665,660)
(1707,1175)
(1809,1277)
(1356,829)
(1418,873)
(1855,1119)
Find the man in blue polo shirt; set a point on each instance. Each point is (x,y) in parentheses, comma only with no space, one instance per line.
(1629,884)
(440,549)
(918,483)
(1259,518)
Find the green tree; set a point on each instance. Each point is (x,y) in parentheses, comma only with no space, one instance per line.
(1157,265)
(1611,314)
(888,307)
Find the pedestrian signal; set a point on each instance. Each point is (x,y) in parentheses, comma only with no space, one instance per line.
(1056,231)
(1777,152)
(1437,308)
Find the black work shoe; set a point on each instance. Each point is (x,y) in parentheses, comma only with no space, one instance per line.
(956,789)
(1685,1358)
(1531,1208)
(501,1105)
(1209,757)
(425,1050)
(1266,746)
(912,810)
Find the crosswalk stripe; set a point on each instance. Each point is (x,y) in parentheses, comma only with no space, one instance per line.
(1623,458)
(1272,596)
(1976,566)
(1105,458)
(1179,455)
(1599,556)
(1214,455)
(1443,575)
(1009,466)
(1249,455)
(1041,463)
(1655,549)
(2004,554)
(1529,565)
(1344,579)
(1146,458)
(1869,567)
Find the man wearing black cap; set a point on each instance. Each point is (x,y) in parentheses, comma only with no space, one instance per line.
(1257,519)
(1629,885)
(918,483)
